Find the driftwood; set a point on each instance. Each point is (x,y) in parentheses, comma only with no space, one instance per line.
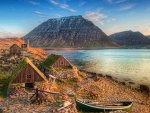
(64,107)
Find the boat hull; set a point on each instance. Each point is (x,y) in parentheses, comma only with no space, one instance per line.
(91,108)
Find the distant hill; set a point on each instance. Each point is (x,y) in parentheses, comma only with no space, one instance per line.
(148,36)
(5,43)
(68,32)
(130,39)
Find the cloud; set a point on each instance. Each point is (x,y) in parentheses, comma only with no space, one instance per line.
(147,31)
(122,5)
(63,6)
(95,16)
(40,14)
(119,1)
(54,2)
(116,1)
(126,7)
(111,20)
(66,6)
(34,3)
(82,3)
(110,1)
(58,15)
(7,34)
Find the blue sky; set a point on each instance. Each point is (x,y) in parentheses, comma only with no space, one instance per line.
(18,17)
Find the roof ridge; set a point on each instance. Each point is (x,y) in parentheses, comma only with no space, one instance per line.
(36,69)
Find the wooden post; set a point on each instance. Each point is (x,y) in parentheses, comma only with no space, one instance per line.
(37,95)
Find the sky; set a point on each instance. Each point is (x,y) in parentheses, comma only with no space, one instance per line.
(18,17)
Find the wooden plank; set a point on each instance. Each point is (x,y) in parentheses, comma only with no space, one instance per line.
(64,107)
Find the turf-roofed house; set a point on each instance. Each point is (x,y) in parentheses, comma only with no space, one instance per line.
(26,74)
(58,66)
(17,49)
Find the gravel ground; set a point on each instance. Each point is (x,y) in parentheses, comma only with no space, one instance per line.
(21,104)
(109,90)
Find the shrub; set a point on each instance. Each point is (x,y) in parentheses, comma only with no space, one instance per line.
(75,79)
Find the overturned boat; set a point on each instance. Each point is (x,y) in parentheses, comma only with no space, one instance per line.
(103,106)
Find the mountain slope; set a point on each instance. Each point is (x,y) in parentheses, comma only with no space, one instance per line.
(148,36)
(130,38)
(68,32)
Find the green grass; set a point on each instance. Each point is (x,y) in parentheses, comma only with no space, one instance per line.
(67,82)
(50,60)
(4,80)
(63,69)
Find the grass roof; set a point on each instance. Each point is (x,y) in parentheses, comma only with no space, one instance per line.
(22,65)
(50,60)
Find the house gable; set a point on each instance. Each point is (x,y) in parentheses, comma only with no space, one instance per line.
(50,61)
(61,62)
(27,75)
(55,61)
(15,49)
(14,45)
(27,72)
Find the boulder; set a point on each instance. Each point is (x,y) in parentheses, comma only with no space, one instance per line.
(144,88)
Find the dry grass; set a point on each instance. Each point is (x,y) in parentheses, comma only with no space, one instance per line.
(5,43)
(38,53)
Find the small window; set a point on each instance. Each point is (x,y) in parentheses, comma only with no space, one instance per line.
(28,76)
(62,63)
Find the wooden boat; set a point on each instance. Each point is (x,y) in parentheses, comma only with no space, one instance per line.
(95,107)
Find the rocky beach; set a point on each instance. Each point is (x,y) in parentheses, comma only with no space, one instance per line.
(103,86)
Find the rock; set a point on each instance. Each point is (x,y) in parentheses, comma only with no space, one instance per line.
(144,88)
(70,92)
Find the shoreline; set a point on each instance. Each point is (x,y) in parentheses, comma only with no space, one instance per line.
(47,49)
(145,89)
(109,90)
(82,48)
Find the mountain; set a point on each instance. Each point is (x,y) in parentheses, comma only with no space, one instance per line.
(68,32)
(130,39)
(148,36)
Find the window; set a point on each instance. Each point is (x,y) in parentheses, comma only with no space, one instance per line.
(24,46)
(28,76)
(62,63)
